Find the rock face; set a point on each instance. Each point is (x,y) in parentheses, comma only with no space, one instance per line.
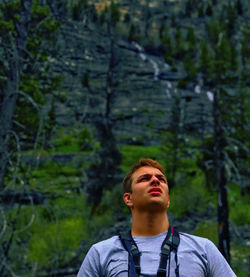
(139,89)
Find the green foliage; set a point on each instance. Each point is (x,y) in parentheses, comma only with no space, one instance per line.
(134,34)
(208,229)
(99,221)
(132,153)
(58,230)
(68,206)
(239,206)
(239,7)
(115,13)
(56,243)
(189,66)
(86,140)
(200,11)
(54,231)
(190,193)
(85,80)
(32,87)
(42,14)
(188,8)
(209,10)
(230,19)
(112,201)
(9,9)
(225,52)
(8,18)
(188,189)
(30,43)
(182,83)
(104,173)
(214,28)
(39,12)
(6,26)
(240,256)
(191,37)
(168,56)
(111,14)
(67,143)
(77,8)
(245,45)
(180,44)
(74,140)
(52,170)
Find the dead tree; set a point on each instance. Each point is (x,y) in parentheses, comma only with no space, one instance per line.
(11,90)
(220,177)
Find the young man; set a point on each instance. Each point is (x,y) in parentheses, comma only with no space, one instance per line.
(153,248)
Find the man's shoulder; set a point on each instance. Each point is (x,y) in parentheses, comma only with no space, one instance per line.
(195,238)
(111,242)
(188,240)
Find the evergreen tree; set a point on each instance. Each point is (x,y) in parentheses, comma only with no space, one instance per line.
(189,66)
(220,70)
(191,37)
(209,10)
(204,57)
(239,7)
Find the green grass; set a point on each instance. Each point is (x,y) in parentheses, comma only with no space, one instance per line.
(73,140)
(52,178)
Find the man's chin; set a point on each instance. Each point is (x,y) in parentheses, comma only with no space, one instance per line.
(156,205)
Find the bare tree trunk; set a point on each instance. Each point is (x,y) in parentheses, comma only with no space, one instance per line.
(220,179)
(6,115)
(13,79)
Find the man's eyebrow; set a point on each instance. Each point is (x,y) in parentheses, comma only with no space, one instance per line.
(149,175)
(144,175)
(160,175)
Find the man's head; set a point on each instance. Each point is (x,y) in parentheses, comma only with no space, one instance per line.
(127,182)
(146,188)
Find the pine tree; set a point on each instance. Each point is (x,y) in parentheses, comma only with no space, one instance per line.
(209,10)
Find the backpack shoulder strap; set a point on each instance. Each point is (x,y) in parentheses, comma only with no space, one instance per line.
(170,243)
(129,244)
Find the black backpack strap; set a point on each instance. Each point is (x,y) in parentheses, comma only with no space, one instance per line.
(129,244)
(170,243)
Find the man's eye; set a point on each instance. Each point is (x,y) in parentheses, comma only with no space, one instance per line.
(144,179)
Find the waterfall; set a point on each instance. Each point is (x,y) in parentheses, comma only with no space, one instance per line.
(162,71)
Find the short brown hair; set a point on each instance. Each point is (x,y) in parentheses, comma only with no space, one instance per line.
(127,181)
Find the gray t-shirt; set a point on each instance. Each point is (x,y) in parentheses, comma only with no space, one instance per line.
(197,257)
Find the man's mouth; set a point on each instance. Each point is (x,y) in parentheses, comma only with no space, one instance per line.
(155,190)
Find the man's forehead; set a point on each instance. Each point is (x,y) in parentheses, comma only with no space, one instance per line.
(146,170)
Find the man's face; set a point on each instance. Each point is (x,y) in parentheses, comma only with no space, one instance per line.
(149,190)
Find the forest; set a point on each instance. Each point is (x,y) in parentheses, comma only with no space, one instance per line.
(89,87)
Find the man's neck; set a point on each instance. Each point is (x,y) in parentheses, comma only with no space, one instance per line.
(149,224)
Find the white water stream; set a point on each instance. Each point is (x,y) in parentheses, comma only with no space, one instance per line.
(160,66)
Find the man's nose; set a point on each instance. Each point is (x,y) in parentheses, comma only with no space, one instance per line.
(155,181)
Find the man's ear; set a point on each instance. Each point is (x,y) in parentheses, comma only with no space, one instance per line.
(168,201)
(127,199)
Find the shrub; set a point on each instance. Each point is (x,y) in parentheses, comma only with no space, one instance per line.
(208,229)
